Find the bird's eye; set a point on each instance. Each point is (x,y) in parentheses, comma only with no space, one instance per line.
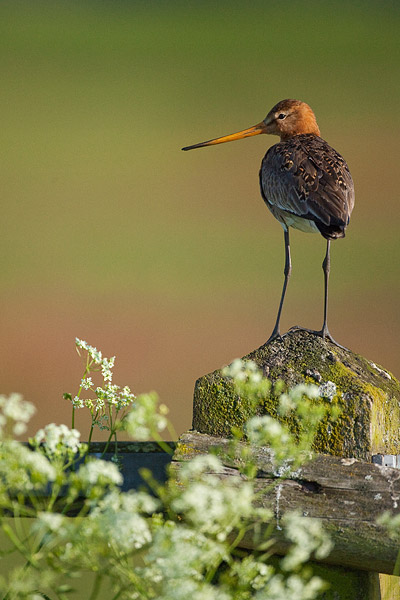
(281,116)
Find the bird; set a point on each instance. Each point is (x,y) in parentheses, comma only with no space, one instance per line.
(305,183)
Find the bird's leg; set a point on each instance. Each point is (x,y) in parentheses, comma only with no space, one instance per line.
(288,269)
(324,333)
(326,266)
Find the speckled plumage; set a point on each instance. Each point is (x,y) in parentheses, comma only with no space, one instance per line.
(307,185)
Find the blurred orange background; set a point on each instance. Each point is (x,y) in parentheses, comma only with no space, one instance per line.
(168,260)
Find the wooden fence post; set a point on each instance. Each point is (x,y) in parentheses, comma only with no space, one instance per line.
(341,486)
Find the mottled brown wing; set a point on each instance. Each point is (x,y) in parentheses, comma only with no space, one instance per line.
(305,177)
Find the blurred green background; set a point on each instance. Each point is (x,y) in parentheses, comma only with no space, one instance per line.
(170,260)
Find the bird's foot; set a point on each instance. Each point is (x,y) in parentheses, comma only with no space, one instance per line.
(323,333)
(275,335)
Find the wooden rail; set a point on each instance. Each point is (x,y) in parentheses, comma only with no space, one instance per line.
(346,494)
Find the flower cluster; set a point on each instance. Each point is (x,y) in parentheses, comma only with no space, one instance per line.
(183,541)
(113,395)
(119,518)
(107,403)
(290,431)
(214,509)
(109,393)
(55,438)
(98,473)
(143,421)
(15,414)
(94,354)
(177,561)
(266,431)
(23,470)
(248,380)
(308,538)
(241,370)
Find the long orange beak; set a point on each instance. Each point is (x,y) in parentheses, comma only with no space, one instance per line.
(256,130)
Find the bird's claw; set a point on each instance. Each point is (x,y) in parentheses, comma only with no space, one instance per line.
(323,333)
(275,335)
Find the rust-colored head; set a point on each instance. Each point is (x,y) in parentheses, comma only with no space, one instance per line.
(289,118)
(286,119)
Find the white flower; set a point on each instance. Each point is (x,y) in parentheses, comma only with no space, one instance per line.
(308,537)
(19,428)
(292,588)
(125,530)
(144,419)
(49,521)
(214,509)
(38,464)
(15,408)
(242,370)
(303,389)
(112,394)
(81,344)
(56,437)
(116,519)
(99,472)
(186,587)
(16,411)
(127,397)
(91,350)
(212,506)
(23,469)
(87,383)
(205,463)
(106,368)
(178,554)
(253,573)
(286,404)
(95,354)
(265,430)
(132,501)
(78,402)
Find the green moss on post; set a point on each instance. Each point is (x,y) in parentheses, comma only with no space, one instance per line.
(368,396)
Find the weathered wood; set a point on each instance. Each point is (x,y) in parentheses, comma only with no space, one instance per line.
(130,447)
(368,396)
(346,494)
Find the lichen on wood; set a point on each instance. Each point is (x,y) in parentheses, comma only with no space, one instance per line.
(368,395)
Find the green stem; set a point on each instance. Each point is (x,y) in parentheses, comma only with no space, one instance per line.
(21,549)
(115,443)
(108,443)
(171,431)
(163,445)
(96,587)
(54,495)
(91,430)
(85,372)
(90,435)
(211,573)
(237,539)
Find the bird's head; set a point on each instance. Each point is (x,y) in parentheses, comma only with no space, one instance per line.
(289,118)
(286,119)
